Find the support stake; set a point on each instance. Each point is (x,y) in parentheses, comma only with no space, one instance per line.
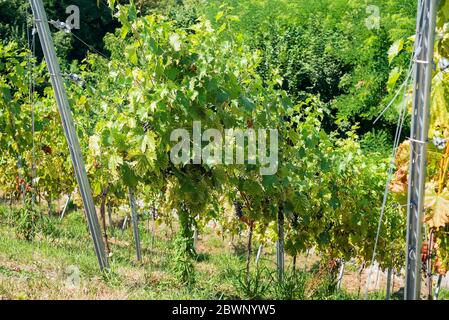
(424,48)
(135,223)
(48,49)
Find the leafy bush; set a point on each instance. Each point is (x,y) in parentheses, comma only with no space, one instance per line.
(5,215)
(325,48)
(96,21)
(26,221)
(183,262)
(376,142)
(49,227)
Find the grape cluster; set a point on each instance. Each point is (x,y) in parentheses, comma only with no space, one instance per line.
(444,65)
(440,143)
(238,209)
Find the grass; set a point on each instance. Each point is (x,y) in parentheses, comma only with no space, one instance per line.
(47,267)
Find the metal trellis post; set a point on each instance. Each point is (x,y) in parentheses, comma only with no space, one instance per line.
(135,223)
(48,49)
(423,66)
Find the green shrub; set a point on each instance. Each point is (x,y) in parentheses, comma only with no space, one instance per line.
(26,222)
(376,141)
(183,263)
(253,287)
(293,286)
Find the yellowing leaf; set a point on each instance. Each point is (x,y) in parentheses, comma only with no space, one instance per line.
(437,206)
(114,162)
(148,142)
(439,107)
(82,100)
(175,41)
(219,15)
(393,78)
(131,52)
(395,49)
(94,145)
(111,3)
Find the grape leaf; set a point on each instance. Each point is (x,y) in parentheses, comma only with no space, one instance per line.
(443,13)
(439,107)
(438,207)
(175,42)
(393,78)
(395,49)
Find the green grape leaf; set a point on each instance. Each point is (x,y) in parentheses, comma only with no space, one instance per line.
(443,13)
(247,103)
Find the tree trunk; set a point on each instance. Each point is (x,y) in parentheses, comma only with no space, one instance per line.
(103,218)
(341,274)
(249,248)
(389,275)
(149,222)
(307,258)
(280,244)
(153,235)
(429,265)
(362,267)
(187,232)
(377,278)
(393,280)
(50,206)
(111,223)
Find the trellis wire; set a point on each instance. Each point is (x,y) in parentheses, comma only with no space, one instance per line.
(400,123)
